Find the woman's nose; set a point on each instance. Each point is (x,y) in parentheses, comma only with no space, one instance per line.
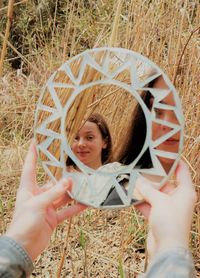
(165,128)
(170,117)
(81,143)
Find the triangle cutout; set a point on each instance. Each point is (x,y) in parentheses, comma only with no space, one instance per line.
(91,74)
(124,76)
(63,94)
(56,172)
(62,77)
(54,149)
(42,116)
(43,156)
(55,125)
(102,58)
(112,199)
(47,99)
(75,66)
(145,162)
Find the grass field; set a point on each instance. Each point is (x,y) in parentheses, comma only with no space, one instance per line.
(100,243)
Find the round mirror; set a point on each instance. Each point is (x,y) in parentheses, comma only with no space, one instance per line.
(105,118)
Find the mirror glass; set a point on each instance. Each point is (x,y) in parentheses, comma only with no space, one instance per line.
(105,118)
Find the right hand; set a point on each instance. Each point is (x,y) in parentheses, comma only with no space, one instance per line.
(38,210)
(170,215)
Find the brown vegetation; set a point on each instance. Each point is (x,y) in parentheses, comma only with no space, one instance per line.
(100,243)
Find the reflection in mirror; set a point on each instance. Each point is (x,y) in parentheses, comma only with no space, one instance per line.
(137,134)
(164,113)
(92,144)
(107,117)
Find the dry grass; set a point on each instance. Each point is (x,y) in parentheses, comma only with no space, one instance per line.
(101,243)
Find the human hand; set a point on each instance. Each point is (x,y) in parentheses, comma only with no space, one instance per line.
(35,215)
(170,215)
(145,207)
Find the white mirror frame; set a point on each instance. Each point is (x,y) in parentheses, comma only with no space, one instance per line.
(88,177)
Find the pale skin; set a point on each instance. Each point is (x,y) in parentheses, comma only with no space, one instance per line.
(88,145)
(169,212)
(36,212)
(158,130)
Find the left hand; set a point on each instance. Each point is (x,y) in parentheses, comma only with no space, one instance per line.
(35,215)
(170,213)
(145,207)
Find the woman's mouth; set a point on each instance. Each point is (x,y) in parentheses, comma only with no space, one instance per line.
(171,142)
(82,153)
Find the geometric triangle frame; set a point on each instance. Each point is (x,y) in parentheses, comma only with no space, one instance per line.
(91,186)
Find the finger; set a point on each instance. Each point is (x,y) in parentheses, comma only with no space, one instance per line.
(46,187)
(49,197)
(69,212)
(148,192)
(144,208)
(184,180)
(37,190)
(63,200)
(28,178)
(168,188)
(183,175)
(151,245)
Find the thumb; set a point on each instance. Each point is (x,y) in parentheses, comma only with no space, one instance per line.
(28,178)
(183,176)
(54,193)
(185,185)
(148,192)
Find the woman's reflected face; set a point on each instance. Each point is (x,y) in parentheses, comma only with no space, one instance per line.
(159,130)
(88,145)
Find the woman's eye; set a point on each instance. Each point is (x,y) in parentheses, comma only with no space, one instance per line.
(158,112)
(76,138)
(90,137)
